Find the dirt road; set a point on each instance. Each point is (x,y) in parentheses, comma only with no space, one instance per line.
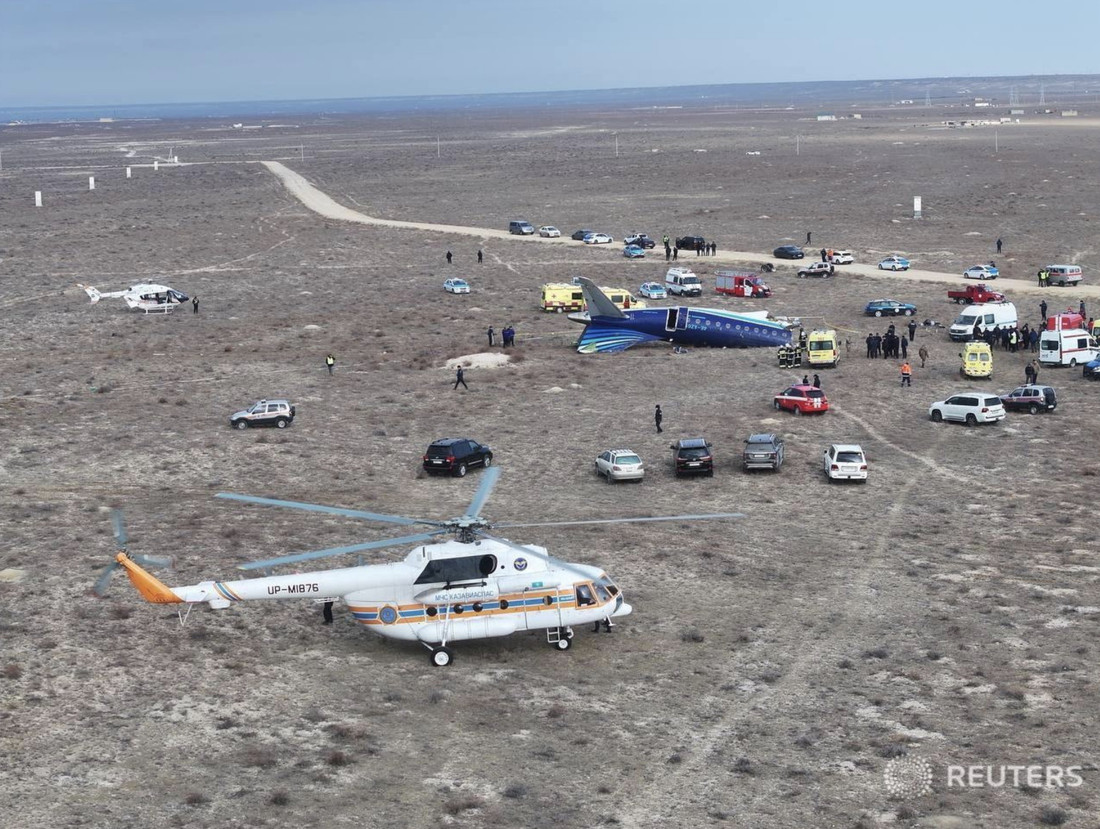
(325,205)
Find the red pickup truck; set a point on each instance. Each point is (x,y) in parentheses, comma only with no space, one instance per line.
(975,293)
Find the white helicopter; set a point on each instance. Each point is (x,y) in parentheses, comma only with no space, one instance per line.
(147,297)
(475,586)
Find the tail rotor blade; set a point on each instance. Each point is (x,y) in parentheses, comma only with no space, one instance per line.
(101,584)
(120,527)
(154,561)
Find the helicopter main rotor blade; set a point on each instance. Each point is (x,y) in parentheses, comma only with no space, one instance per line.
(350,513)
(120,527)
(702,517)
(336,551)
(488,481)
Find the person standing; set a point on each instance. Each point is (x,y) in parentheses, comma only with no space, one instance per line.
(330,361)
(658,417)
(194,304)
(665,240)
(448,257)
(823,258)
(870,346)
(1043,310)
(904,347)
(508,335)
(998,246)
(1081,309)
(668,252)
(480,256)
(1029,374)
(460,377)
(809,235)
(923,354)
(912,330)
(675,251)
(327,613)
(906,374)
(491,334)
(817,382)
(1034,371)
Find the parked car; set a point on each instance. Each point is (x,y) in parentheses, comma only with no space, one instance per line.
(690,242)
(521,227)
(841,257)
(894,263)
(598,239)
(693,456)
(641,240)
(821,269)
(762,451)
(580,234)
(971,408)
(549,232)
(653,290)
(1092,369)
(1031,398)
(802,399)
(845,461)
(634,252)
(456,286)
(277,413)
(620,465)
(982,272)
(889,308)
(455,456)
(788,252)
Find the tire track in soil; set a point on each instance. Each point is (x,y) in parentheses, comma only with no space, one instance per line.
(662,786)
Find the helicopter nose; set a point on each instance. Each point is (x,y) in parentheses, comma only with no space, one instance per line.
(622,609)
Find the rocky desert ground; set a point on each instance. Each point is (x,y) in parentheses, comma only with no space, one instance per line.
(801,667)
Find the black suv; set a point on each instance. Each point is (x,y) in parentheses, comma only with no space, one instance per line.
(690,242)
(455,455)
(580,234)
(693,457)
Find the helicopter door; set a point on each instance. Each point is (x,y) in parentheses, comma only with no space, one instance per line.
(584,596)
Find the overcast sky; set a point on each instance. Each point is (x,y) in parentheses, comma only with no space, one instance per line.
(79,52)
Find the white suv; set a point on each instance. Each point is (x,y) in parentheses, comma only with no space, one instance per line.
(845,461)
(277,413)
(970,407)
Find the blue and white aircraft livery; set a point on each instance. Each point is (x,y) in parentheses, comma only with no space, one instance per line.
(607,328)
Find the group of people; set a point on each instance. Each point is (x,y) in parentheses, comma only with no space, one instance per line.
(507,336)
(889,345)
(1009,337)
(701,249)
(480,257)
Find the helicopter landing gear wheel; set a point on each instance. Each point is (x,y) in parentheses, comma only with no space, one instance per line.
(565,639)
(441,657)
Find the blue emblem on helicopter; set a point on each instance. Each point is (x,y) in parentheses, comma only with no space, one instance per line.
(520,563)
(388,615)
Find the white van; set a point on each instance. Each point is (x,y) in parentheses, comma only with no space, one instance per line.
(683,282)
(1063,274)
(987,315)
(1067,348)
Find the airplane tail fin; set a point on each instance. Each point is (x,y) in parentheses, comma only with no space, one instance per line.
(92,293)
(599,304)
(150,587)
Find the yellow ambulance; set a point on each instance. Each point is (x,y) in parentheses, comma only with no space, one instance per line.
(562,296)
(977,360)
(822,348)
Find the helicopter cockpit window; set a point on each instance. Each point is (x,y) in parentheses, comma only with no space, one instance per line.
(602,593)
(584,595)
(603,582)
(469,568)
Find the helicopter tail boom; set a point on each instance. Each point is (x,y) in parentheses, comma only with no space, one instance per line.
(150,587)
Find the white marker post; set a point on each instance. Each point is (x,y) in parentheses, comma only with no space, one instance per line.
(916,207)
(156,165)
(127,172)
(91,182)
(37,198)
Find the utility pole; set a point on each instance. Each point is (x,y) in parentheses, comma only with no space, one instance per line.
(437,147)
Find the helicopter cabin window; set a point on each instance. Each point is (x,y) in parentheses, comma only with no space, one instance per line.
(469,568)
(584,595)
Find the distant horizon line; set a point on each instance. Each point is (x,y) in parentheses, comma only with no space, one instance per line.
(7,111)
